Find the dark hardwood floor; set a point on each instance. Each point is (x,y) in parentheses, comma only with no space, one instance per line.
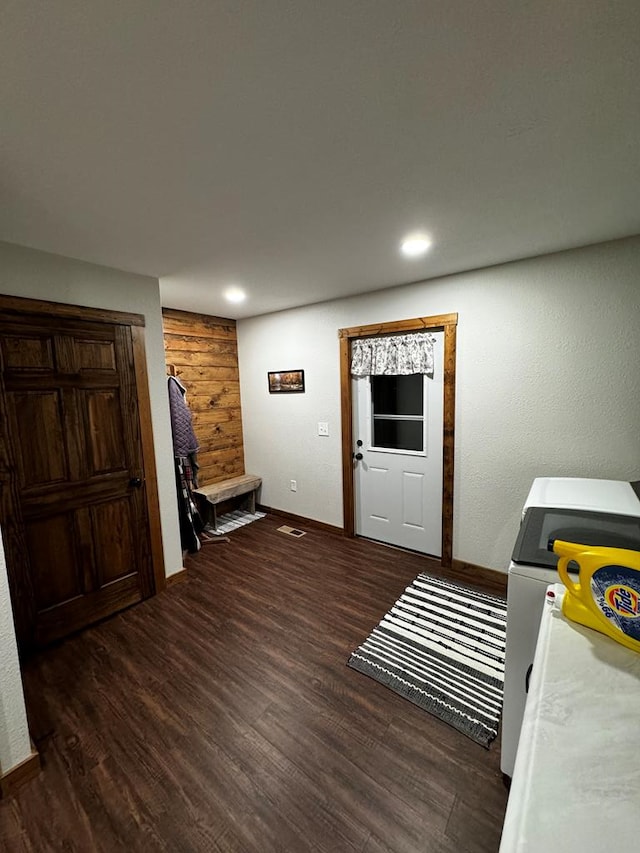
(220,716)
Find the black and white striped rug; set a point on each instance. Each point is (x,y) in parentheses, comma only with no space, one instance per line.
(232,521)
(442,647)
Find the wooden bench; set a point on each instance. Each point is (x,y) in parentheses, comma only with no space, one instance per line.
(216,493)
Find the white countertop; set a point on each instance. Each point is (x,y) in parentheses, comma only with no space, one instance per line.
(576,783)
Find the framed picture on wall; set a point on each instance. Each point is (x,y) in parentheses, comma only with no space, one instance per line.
(286,381)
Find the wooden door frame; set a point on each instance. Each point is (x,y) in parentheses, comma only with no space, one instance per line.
(17,305)
(442,322)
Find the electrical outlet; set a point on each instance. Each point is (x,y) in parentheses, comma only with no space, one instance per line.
(293,485)
(323,428)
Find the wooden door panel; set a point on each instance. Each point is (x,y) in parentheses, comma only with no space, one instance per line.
(59,622)
(113,538)
(74,557)
(27,352)
(95,355)
(105,448)
(37,503)
(55,569)
(41,450)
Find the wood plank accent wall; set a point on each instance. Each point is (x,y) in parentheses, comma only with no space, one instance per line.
(204,352)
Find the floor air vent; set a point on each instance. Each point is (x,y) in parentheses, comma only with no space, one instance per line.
(291,531)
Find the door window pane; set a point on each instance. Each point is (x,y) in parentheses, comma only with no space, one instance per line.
(398,434)
(398,395)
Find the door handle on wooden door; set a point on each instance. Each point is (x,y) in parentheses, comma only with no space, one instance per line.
(135,482)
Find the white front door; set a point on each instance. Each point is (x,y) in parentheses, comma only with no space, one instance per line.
(397,427)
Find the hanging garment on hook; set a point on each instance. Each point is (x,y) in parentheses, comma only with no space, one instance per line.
(184,438)
(185,445)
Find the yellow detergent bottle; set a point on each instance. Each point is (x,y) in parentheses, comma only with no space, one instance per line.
(607,596)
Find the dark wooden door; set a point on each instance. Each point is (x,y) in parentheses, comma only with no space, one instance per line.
(71,474)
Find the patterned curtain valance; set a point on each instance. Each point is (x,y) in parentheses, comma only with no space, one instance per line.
(395,355)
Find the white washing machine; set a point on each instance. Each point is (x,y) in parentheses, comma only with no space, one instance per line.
(591,512)
(611,496)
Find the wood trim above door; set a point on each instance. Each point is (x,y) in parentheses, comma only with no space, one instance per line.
(39,308)
(440,322)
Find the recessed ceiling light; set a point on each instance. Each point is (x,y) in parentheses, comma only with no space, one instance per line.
(234,294)
(415,245)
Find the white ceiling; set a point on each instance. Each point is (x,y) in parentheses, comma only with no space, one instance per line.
(287,145)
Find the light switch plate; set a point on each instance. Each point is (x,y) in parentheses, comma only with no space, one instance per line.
(323,428)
